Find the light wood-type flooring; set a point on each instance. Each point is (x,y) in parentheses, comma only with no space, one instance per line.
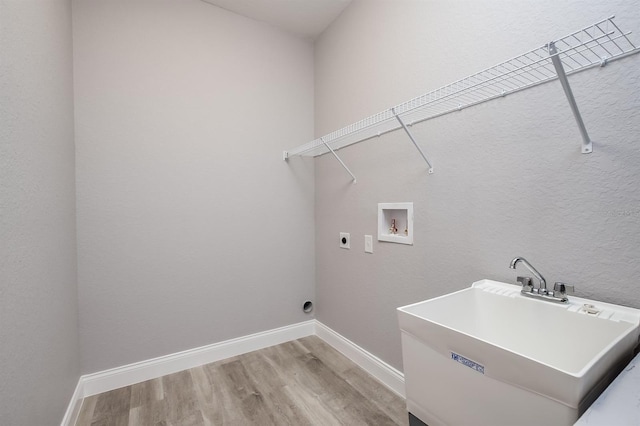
(303,382)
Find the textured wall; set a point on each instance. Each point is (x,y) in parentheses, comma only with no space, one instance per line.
(191,228)
(39,352)
(509,177)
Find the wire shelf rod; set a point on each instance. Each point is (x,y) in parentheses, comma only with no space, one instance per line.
(587,47)
(518,71)
(593,26)
(622,32)
(571,54)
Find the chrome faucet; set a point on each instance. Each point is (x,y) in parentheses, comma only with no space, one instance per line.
(534,271)
(557,295)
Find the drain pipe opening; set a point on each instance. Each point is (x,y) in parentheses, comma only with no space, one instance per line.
(307,307)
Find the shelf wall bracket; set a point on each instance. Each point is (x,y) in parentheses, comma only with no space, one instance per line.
(587,144)
(338,158)
(406,129)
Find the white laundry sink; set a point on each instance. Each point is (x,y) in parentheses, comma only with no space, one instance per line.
(487,355)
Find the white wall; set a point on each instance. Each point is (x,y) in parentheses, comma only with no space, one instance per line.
(509,177)
(39,352)
(191,228)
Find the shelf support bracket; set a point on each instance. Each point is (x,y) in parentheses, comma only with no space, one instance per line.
(406,129)
(587,145)
(338,158)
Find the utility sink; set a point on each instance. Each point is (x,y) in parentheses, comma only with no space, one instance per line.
(487,355)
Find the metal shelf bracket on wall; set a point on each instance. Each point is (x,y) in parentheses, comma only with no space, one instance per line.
(339,160)
(285,157)
(587,145)
(591,46)
(412,139)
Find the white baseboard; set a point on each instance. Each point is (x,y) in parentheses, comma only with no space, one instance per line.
(150,369)
(73,409)
(383,372)
(103,381)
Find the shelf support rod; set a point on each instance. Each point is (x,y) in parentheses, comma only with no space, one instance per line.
(338,158)
(587,145)
(393,110)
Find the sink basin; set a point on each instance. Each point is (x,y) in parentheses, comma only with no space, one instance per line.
(488,355)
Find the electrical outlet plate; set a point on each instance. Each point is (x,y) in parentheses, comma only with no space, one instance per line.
(345,240)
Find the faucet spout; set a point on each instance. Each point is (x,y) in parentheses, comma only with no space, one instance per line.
(538,275)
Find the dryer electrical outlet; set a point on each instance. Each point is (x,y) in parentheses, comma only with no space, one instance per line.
(345,240)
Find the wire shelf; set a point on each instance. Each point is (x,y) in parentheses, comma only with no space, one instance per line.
(595,45)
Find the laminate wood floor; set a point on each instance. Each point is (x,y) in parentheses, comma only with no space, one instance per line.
(303,382)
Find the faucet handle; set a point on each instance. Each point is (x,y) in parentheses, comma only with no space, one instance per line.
(525,281)
(563,288)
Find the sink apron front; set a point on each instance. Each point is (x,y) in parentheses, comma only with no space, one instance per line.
(469,365)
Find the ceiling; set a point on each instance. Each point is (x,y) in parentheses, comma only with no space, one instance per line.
(304,18)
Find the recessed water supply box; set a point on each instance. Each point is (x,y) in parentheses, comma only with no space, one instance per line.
(395,223)
(489,356)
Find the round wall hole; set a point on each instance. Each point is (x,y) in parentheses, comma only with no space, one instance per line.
(307,307)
